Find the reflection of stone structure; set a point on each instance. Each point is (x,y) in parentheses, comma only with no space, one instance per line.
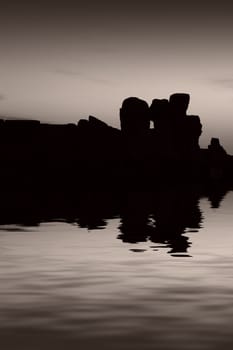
(161,217)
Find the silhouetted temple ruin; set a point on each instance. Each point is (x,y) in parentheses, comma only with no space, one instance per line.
(156,143)
(174,134)
(177,131)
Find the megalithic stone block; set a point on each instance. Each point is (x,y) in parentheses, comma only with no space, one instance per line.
(216,147)
(192,132)
(134,116)
(83,125)
(179,103)
(195,124)
(159,111)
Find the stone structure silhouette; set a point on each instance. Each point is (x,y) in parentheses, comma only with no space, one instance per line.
(216,148)
(179,103)
(135,127)
(134,116)
(217,160)
(94,154)
(177,133)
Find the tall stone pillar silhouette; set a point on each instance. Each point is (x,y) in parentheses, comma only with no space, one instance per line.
(217,159)
(159,113)
(176,133)
(134,116)
(187,128)
(179,103)
(135,125)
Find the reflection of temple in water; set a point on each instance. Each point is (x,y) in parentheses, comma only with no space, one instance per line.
(164,219)
(165,216)
(160,217)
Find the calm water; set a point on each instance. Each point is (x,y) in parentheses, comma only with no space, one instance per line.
(67,287)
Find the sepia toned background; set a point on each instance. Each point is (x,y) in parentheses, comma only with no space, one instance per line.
(63,60)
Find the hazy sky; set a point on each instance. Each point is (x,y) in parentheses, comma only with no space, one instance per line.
(63,60)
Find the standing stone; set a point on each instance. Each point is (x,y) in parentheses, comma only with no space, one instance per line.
(134,116)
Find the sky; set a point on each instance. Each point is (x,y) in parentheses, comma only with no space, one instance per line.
(65,60)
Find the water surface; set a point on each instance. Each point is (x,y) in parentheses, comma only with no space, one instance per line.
(134,281)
